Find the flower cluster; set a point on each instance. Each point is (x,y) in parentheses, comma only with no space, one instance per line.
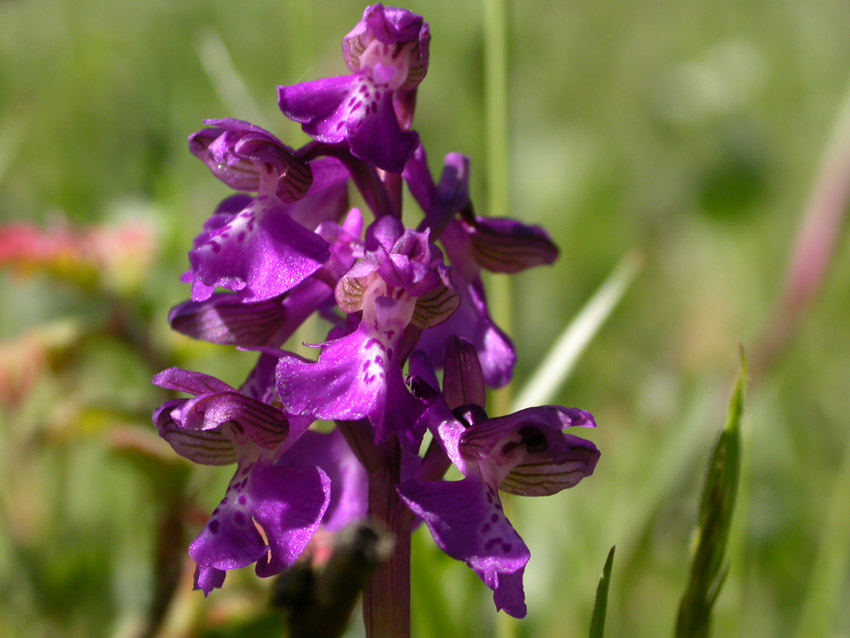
(401,302)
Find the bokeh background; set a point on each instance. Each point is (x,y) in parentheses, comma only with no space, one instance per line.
(684,137)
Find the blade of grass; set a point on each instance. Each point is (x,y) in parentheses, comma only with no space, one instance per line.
(228,84)
(708,570)
(12,131)
(556,367)
(829,569)
(597,622)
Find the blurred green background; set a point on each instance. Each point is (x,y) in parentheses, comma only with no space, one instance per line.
(687,134)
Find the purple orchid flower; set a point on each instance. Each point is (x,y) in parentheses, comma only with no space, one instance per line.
(401,280)
(227,319)
(261,248)
(387,53)
(526,453)
(220,426)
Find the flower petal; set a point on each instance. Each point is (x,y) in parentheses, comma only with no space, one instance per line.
(467,523)
(260,252)
(226,319)
(349,499)
(286,502)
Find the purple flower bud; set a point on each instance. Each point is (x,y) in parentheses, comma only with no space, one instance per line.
(247,158)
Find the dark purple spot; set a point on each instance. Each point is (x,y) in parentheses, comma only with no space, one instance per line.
(351,101)
(379,360)
(357,105)
(506,547)
(364,88)
(243,500)
(240,237)
(377,95)
(494,518)
(366,366)
(389,334)
(223,502)
(215,247)
(239,518)
(485,528)
(489,544)
(213,526)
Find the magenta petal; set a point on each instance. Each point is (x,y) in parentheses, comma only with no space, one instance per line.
(226,319)
(348,479)
(347,382)
(286,502)
(208,578)
(320,106)
(508,593)
(189,382)
(290,504)
(260,252)
(376,137)
(467,522)
(472,321)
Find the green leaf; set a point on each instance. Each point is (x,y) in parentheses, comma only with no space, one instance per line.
(715,519)
(597,623)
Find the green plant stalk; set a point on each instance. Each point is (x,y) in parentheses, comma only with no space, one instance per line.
(708,570)
(597,622)
(830,566)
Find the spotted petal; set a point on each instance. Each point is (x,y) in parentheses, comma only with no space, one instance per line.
(260,252)
(286,503)
(467,523)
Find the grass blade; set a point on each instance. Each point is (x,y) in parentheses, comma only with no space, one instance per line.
(597,623)
(228,83)
(715,519)
(562,357)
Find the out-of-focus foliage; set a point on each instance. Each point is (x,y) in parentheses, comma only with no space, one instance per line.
(690,132)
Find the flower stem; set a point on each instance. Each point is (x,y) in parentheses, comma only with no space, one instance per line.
(386,601)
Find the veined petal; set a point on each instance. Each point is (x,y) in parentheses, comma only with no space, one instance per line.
(508,246)
(463,379)
(226,319)
(531,448)
(206,447)
(243,156)
(550,472)
(246,418)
